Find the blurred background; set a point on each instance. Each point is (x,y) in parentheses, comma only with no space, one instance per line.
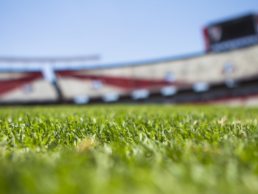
(164,51)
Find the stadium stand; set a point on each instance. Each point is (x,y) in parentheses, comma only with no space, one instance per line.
(122,79)
(201,77)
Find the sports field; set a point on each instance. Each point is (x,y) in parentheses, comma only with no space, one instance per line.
(129,149)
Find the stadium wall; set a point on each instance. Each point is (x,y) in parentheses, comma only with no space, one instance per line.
(212,68)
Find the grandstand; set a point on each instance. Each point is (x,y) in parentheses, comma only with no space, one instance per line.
(202,77)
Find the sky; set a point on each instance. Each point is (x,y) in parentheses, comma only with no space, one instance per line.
(116,30)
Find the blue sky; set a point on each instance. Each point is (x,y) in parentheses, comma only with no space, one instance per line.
(116,30)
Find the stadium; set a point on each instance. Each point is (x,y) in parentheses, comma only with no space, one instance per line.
(226,71)
(170,125)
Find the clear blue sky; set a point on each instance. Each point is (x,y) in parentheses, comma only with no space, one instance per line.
(117,30)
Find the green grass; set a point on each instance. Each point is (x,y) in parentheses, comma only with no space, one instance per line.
(129,149)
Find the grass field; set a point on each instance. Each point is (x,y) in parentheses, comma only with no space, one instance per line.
(129,149)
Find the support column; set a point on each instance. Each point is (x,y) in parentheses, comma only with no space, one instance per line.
(50,76)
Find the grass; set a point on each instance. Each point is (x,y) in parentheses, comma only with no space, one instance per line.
(129,149)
